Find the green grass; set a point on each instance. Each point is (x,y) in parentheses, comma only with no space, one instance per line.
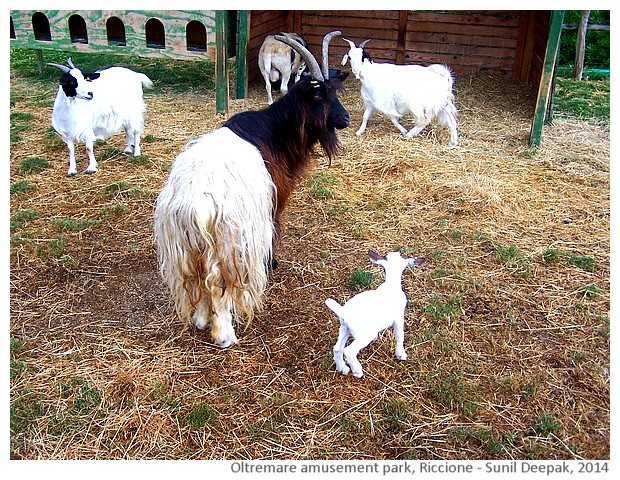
(52,249)
(588,99)
(22,186)
(544,425)
(21,218)
(320,184)
(589,290)
(442,307)
(442,275)
(452,392)
(200,416)
(487,438)
(395,411)
(582,261)
(34,164)
(514,259)
(116,187)
(553,255)
(17,367)
(25,409)
(19,122)
(361,278)
(74,225)
(113,211)
(177,76)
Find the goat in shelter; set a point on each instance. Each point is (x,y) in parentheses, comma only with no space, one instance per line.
(278,61)
(424,92)
(219,213)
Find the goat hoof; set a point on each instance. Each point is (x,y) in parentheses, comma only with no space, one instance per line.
(90,172)
(344,370)
(273,264)
(71,174)
(226,343)
(359,374)
(200,322)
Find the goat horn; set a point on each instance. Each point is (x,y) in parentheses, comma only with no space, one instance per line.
(62,67)
(351,44)
(70,63)
(311,62)
(326,39)
(361,45)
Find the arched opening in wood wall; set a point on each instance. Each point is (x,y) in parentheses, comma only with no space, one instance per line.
(196,36)
(77,29)
(41,27)
(155,35)
(115,31)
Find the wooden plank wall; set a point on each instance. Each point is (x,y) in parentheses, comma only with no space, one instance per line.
(466,41)
(501,42)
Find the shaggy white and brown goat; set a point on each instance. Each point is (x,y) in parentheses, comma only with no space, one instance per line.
(219,212)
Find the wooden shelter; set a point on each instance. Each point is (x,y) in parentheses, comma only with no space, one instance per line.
(521,44)
(503,42)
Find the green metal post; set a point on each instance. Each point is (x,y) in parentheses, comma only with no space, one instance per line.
(221,70)
(241,79)
(546,79)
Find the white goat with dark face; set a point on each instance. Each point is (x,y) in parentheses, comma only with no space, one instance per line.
(97,105)
(396,90)
(367,314)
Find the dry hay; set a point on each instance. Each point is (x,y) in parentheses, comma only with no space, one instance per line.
(524,341)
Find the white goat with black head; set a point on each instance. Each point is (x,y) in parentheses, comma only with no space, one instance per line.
(94,106)
(397,90)
(368,313)
(219,213)
(279,61)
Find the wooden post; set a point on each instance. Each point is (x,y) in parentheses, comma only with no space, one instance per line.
(580,47)
(402,33)
(221,60)
(296,21)
(241,78)
(40,62)
(544,89)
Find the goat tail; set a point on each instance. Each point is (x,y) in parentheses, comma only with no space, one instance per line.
(442,70)
(213,228)
(146,81)
(335,307)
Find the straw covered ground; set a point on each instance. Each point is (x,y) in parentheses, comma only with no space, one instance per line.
(507,326)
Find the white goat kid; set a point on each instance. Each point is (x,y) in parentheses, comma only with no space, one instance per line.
(396,90)
(367,314)
(278,61)
(95,106)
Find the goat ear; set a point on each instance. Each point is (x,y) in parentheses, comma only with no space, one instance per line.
(374,257)
(91,76)
(345,58)
(415,261)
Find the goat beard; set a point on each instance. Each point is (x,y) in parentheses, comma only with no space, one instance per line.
(330,144)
